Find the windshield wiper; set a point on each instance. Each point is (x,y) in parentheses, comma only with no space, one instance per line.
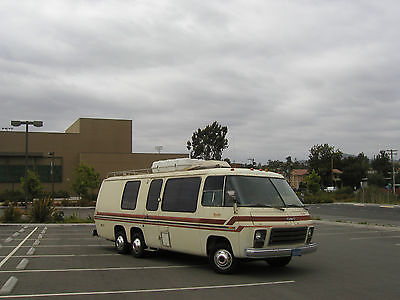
(263,205)
(294,205)
(276,207)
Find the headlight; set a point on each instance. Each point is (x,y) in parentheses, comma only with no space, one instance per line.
(259,238)
(310,234)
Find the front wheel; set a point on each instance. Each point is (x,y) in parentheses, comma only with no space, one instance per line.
(138,245)
(279,261)
(222,259)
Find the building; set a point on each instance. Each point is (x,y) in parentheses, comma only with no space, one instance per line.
(297,176)
(105,144)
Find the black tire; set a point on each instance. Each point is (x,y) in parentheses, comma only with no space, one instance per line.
(138,245)
(278,262)
(121,243)
(222,259)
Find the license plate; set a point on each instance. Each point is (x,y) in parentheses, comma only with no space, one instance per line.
(296,252)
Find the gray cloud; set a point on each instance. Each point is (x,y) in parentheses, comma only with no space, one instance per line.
(282,75)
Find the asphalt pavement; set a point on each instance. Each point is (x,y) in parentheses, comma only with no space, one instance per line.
(372,214)
(354,261)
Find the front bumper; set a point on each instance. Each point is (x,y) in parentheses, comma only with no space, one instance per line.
(280,252)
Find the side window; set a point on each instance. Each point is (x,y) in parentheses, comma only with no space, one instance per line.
(129,198)
(212,192)
(231,194)
(180,194)
(154,194)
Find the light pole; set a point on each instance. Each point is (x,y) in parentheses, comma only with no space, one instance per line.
(51,154)
(26,123)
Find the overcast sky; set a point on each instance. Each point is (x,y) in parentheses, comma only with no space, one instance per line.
(282,75)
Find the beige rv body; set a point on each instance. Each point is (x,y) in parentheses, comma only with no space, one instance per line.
(199,230)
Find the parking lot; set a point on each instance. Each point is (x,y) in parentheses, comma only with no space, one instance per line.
(352,262)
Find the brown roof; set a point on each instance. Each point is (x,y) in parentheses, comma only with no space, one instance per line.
(299,172)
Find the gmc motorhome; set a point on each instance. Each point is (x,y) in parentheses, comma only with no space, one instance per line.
(204,208)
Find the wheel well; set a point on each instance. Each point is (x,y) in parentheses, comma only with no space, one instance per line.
(119,228)
(136,230)
(214,240)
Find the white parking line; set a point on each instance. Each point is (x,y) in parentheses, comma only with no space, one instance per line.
(31,251)
(8,286)
(16,248)
(102,269)
(179,289)
(376,237)
(64,255)
(352,232)
(61,246)
(59,239)
(22,265)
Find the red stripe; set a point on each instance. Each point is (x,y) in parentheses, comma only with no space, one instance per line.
(238,229)
(235,219)
(232,220)
(166,218)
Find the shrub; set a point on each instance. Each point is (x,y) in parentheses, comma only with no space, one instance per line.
(58,216)
(75,219)
(374,194)
(319,197)
(42,210)
(11,214)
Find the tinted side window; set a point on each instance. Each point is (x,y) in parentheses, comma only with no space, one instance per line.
(154,194)
(180,194)
(212,192)
(129,198)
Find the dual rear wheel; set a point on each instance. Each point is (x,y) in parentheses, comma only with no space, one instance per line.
(137,247)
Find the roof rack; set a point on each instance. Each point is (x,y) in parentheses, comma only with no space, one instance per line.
(174,165)
(128,172)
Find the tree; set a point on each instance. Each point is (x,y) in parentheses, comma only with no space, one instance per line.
(354,169)
(313,182)
(321,158)
(376,179)
(35,187)
(86,178)
(208,143)
(381,164)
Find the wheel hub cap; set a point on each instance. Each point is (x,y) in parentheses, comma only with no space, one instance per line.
(120,242)
(223,259)
(136,245)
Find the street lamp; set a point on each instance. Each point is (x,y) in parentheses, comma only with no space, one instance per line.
(26,123)
(51,154)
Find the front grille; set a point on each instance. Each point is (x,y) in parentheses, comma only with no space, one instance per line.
(283,236)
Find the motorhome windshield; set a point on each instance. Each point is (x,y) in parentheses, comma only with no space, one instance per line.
(250,191)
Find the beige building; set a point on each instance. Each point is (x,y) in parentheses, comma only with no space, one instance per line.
(105,144)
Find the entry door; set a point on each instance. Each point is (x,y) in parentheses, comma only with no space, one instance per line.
(178,215)
(152,214)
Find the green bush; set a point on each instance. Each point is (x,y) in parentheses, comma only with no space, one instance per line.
(58,216)
(319,197)
(345,194)
(75,219)
(42,210)
(11,214)
(374,194)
